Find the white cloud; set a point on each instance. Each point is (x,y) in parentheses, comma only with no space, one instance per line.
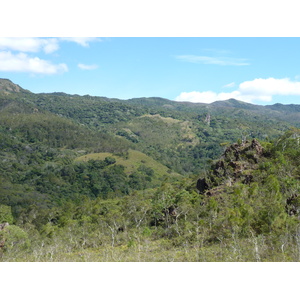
(248,91)
(48,45)
(197,97)
(87,67)
(270,87)
(207,97)
(21,62)
(83,41)
(229,85)
(210,60)
(14,57)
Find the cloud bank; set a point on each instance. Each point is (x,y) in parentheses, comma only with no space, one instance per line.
(248,91)
(206,97)
(21,62)
(16,54)
(29,44)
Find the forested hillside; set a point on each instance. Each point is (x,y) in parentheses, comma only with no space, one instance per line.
(87,178)
(182,136)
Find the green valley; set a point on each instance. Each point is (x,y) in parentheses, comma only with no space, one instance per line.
(86,178)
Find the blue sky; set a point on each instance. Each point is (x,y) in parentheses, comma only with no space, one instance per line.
(197,69)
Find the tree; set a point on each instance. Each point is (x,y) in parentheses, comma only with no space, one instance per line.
(5,214)
(14,237)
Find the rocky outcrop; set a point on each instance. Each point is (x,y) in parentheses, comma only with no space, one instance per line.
(236,163)
(238,151)
(255,145)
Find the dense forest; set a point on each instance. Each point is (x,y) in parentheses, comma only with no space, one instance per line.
(86,178)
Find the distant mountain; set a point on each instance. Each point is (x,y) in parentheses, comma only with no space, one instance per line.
(290,108)
(150,101)
(235,104)
(7,86)
(181,135)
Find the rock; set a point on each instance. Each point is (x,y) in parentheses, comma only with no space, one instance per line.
(219,168)
(235,165)
(248,179)
(257,147)
(202,185)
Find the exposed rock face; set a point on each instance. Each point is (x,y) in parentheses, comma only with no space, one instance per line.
(237,159)
(255,145)
(235,164)
(232,152)
(237,151)
(220,168)
(207,119)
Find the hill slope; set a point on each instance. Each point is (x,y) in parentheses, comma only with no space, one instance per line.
(196,135)
(7,87)
(76,176)
(247,209)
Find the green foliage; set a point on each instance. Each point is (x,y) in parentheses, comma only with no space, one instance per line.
(14,237)
(6,214)
(92,179)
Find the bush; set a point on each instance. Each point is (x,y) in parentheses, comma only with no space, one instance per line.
(14,237)
(5,214)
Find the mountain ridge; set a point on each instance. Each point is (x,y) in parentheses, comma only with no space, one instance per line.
(183,135)
(7,86)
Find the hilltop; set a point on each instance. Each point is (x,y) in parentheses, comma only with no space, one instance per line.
(7,86)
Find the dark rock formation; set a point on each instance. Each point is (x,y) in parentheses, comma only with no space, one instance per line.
(202,185)
(220,169)
(248,179)
(255,145)
(236,164)
(171,211)
(292,206)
